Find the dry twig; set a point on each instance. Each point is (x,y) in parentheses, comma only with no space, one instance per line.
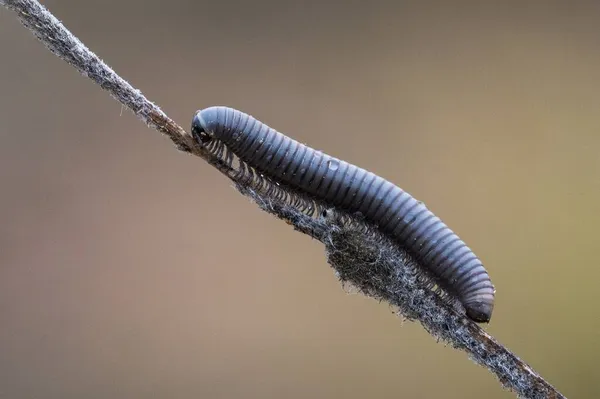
(360,255)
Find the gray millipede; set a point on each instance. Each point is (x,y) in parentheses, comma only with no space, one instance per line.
(275,159)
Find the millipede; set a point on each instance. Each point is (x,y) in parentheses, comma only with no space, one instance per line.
(312,180)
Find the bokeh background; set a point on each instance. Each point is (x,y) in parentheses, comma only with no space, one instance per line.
(130,270)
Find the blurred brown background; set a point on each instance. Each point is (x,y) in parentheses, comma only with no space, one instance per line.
(129,270)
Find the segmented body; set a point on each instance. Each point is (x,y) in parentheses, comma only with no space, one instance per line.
(345,186)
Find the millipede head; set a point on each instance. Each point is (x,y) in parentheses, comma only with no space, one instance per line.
(203,125)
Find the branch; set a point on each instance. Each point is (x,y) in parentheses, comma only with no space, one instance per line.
(359,255)
(61,42)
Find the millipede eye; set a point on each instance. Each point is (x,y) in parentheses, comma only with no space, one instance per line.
(204,137)
(200,134)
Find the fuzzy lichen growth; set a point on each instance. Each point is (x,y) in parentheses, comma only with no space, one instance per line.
(378,268)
